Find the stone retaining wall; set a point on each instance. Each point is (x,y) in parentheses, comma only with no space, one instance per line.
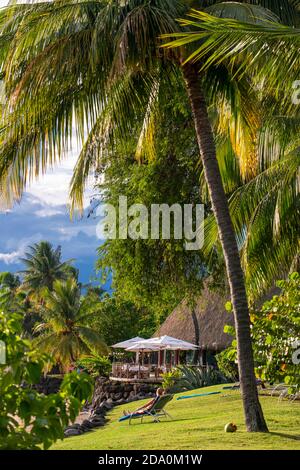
(108,394)
(106,389)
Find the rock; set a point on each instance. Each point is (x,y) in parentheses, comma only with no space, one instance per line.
(86,423)
(97,418)
(96,424)
(72,432)
(118,396)
(86,429)
(74,426)
(120,402)
(97,421)
(100,411)
(106,405)
(130,399)
(144,388)
(115,393)
(86,408)
(101,385)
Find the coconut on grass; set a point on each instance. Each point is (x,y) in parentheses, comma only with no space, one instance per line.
(230,427)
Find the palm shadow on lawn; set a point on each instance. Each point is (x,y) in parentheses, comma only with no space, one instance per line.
(294,437)
(169,421)
(287,436)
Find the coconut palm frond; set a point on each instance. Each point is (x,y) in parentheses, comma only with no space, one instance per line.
(239,112)
(145,145)
(266,49)
(92,339)
(61,60)
(127,96)
(264,214)
(43,265)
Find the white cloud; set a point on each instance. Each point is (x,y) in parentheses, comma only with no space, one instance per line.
(67,233)
(14,256)
(10,258)
(47,212)
(53,187)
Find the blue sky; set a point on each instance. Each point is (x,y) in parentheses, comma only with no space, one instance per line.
(42,214)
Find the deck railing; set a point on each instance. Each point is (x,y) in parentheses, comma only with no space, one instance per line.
(137,371)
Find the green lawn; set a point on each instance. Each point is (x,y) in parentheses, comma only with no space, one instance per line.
(198,423)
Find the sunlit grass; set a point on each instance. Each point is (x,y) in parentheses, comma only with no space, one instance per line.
(198,423)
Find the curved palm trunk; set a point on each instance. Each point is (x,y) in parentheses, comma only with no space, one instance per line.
(252,409)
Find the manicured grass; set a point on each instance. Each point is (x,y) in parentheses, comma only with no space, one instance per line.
(198,423)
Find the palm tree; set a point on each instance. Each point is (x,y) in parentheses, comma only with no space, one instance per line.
(9,284)
(266,214)
(44,266)
(9,280)
(220,205)
(100,63)
(63,332)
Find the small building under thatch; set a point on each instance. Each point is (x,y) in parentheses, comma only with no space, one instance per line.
(202,323)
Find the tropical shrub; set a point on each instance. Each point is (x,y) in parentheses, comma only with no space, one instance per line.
(227,359)
(190,378)
(227,363)
(276,335)
(170,380)
(275,331)
(95,365)
(28,419)
(198,377)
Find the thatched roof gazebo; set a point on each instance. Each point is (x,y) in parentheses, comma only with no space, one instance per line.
(201,323)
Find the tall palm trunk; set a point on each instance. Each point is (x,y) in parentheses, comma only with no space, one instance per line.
(253,413)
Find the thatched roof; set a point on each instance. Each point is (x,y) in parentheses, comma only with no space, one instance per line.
(205,321)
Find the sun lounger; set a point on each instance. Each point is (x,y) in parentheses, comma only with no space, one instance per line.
(156,411)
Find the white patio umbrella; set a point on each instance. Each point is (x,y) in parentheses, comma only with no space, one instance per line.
(166,343)
(170,343)
(129,342)
(181,347)
(143,346)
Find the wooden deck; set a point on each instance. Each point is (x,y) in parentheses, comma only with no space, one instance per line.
(137,373)
(150,380)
